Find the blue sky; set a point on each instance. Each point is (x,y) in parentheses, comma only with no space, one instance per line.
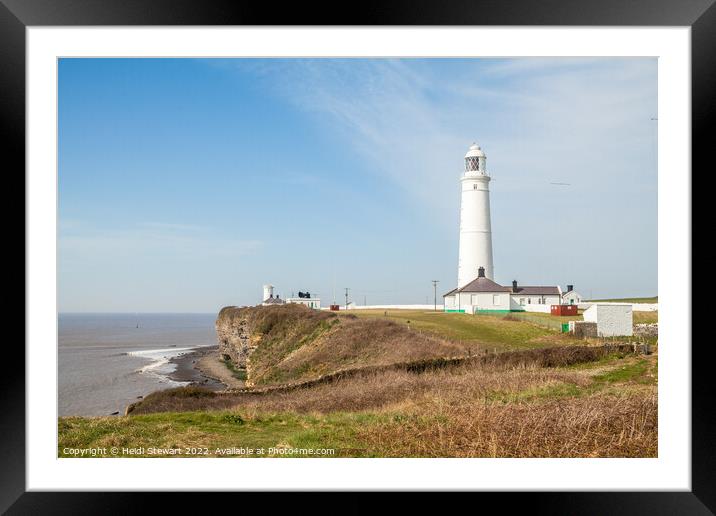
(186,184)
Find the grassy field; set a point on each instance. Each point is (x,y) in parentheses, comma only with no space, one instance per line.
(501,332)
(654,299)
(485,331)
(645,317)
(600,409)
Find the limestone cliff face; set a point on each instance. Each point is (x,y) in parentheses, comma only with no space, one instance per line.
(278,329)
(233,331)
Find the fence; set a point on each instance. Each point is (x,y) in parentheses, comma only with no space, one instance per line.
(545,322)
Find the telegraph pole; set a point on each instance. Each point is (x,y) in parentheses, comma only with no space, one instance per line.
(435,288)
(347,289)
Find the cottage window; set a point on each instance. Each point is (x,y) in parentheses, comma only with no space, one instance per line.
(522,300)
(495,300)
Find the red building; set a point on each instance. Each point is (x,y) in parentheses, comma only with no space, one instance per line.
(563,309)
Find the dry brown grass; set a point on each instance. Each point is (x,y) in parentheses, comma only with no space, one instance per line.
(600,425)
(473,410)
(556,402)
(505,373)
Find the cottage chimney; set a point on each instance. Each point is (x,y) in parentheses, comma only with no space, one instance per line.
(481,272)
(514,285)
(570,288)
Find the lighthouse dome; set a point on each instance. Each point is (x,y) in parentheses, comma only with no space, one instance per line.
(475,152)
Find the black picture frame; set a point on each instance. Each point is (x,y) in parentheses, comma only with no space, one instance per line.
(700,15)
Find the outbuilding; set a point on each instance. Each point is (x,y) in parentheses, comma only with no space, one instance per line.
(613,320)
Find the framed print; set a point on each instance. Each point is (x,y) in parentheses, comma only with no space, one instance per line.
(445,249)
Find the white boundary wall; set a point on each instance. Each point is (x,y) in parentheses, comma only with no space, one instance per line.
(544,309)
(393,307)
(636,307)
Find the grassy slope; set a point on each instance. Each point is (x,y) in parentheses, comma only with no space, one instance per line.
(485,331)
(606,408)
(307,344)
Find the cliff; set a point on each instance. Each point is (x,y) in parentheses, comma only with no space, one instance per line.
(291,343)
(280,329)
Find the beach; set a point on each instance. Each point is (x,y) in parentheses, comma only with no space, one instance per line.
(188,372)
(203,367)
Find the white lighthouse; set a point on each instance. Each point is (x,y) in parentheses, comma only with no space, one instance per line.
(475,229)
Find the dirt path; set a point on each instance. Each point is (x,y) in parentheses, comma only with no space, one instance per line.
(212,366)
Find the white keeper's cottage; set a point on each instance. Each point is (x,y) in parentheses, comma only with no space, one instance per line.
(482,295)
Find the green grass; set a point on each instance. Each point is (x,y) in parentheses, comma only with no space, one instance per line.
(559,390)
(622,371)
(491,331)
(629,372)
(654,299)
(645,317)
(548,320)
(202,434)
(238,373)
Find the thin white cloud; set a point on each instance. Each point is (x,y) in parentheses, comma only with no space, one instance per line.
(150,242)
(539,120)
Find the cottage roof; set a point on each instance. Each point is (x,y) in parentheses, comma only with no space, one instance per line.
(274,301)
(537,291)
(483,284)
(450,293)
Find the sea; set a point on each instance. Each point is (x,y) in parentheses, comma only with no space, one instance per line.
(107,361)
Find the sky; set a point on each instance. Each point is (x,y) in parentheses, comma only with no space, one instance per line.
(186,184)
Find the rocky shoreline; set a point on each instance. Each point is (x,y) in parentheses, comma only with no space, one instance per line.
(203,367)
(187,370)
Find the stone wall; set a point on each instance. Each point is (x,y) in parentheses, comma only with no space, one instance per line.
(647,329)
(583,329)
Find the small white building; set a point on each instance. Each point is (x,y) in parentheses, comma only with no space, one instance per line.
(305,299)
(482,295)
(613,320)
(269,298)
(571,296)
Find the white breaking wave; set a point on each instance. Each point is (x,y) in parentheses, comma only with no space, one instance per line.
(160,367)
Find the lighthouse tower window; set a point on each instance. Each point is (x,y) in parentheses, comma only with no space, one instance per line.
(472,164)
